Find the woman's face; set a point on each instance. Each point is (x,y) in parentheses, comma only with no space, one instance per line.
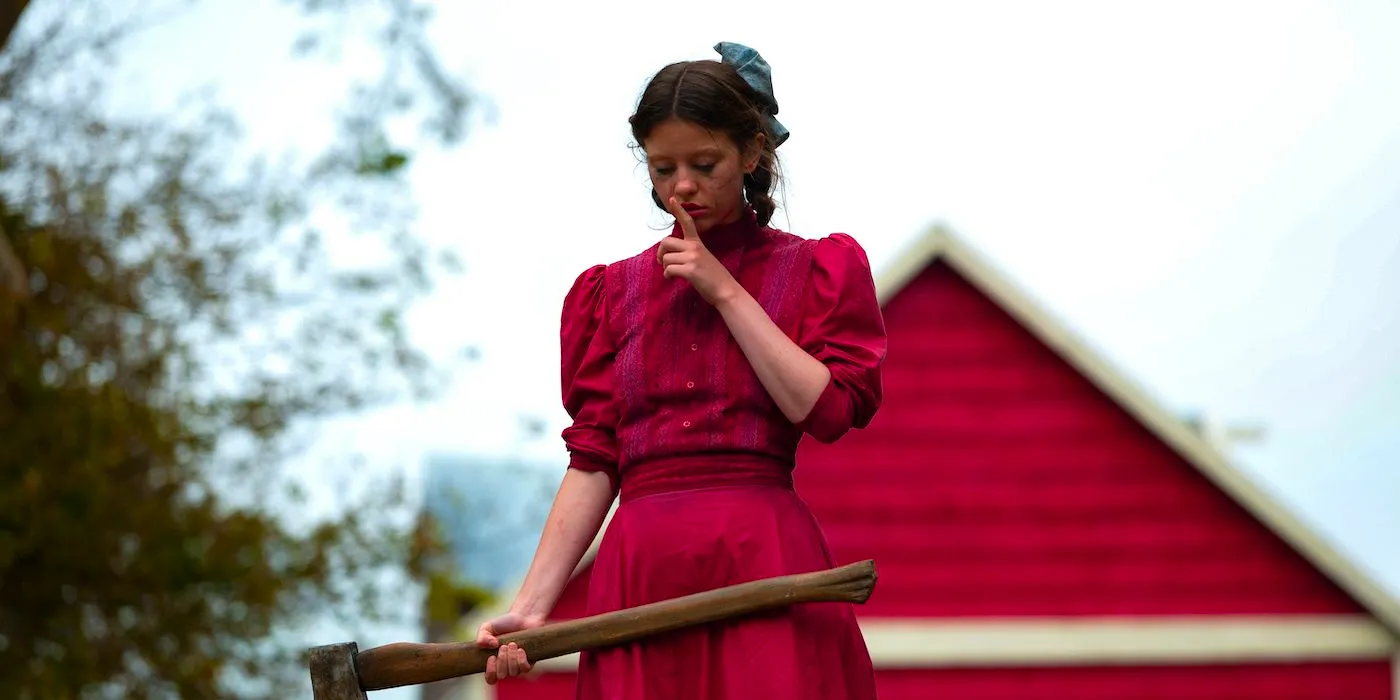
(702,169)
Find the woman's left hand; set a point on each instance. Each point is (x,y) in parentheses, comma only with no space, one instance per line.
(689,259)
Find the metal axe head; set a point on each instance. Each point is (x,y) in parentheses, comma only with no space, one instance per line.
(333,673)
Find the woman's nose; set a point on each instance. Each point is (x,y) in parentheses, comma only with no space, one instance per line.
(686,185)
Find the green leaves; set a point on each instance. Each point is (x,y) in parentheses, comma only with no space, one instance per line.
(388,163)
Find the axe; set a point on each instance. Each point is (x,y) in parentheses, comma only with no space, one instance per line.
(342,672)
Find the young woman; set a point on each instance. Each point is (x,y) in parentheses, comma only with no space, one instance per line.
(691,371)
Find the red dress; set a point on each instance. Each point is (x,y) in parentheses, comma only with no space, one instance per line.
(664,401)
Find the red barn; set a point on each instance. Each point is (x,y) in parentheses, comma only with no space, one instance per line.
(1044,530)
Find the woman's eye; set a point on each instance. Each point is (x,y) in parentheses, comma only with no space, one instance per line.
(664,171)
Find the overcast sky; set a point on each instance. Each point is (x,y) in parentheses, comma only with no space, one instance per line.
(1208,192)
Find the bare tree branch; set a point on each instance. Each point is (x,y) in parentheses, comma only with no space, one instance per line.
(13,282)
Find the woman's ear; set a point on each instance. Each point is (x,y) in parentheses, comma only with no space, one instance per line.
(754,152)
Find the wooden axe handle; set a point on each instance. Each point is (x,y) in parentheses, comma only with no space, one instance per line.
(405,663)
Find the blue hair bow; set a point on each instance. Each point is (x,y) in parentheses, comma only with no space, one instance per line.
(756,72)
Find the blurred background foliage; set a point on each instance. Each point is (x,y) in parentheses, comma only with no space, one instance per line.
(170,324)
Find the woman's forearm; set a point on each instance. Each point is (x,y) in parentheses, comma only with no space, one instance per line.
(579,507)
(793,378)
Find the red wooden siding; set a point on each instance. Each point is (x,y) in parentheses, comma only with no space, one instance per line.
(540,686)
(999,481)
(1303,681)
(1323,681)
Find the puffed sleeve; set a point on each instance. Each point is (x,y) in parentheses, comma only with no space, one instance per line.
(586,360)
(843,326)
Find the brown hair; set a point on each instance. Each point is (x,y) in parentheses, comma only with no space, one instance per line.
(712,95)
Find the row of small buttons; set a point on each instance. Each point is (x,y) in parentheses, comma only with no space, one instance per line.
(690,385)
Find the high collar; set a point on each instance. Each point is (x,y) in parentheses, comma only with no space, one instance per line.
(742,230)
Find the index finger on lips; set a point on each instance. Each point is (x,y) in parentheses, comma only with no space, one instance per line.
(687,223)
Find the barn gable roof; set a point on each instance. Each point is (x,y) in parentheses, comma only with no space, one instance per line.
(940,244)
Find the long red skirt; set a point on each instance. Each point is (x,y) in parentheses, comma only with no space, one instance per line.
(682,528)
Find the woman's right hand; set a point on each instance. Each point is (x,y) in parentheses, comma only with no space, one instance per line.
(508,660)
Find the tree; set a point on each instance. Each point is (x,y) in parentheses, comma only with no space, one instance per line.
(171,322)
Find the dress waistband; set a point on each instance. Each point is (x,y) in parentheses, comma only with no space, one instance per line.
(674,474)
